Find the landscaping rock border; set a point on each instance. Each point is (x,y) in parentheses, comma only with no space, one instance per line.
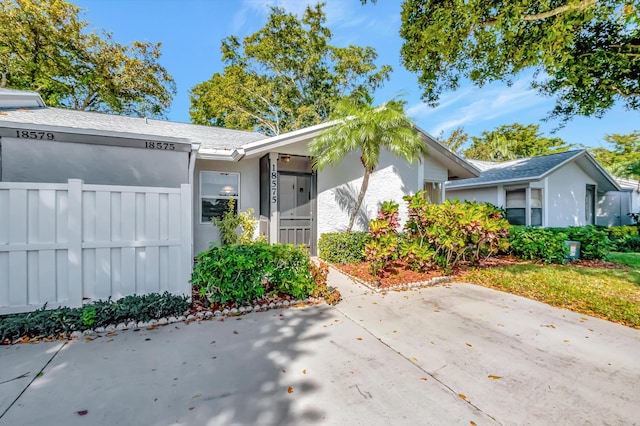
(200,316)
(398,287)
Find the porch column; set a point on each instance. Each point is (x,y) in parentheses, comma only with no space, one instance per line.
(273,197)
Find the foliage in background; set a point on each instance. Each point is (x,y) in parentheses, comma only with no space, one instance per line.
(284,77)
(382,246)
(240,274)
(45,47)
(233,222)
(538,244)
(98,314)
(585,53)
(456,140)
(623,159)
(456,231)
(513,141)
(340,247)
(367,129)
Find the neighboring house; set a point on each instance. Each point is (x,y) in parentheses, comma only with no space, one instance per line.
(271,175)
(614,206)
(553,190)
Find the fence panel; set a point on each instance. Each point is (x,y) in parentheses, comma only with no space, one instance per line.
(61,244)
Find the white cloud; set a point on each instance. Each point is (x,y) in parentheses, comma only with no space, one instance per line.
(474,105)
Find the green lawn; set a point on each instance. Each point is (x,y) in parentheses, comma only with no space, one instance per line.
(612,294)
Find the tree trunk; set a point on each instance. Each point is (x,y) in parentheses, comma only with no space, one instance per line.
(363,190)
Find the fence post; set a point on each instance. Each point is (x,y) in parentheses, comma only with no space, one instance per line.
(186,249)
(74,226)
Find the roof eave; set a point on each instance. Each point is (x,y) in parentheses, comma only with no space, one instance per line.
(220,154)
(491,183)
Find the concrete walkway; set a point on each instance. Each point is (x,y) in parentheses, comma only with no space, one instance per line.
(457,354)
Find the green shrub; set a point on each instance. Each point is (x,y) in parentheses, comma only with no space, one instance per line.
(242,273)
(594,242)
(233,222)
(538,244)
(454,230)
(628,244)
(51,322)
(622,231)
(342,247)
(382,246)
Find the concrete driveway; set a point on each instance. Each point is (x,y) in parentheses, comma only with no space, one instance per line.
(457,354)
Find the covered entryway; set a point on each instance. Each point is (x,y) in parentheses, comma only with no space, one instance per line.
(288,200)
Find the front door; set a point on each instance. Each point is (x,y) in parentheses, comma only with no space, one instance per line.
(295,208)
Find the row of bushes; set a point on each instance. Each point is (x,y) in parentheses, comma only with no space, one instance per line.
(242,273)
(434,234)
(52,322)
(527,243)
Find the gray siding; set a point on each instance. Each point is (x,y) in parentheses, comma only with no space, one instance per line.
(26,160)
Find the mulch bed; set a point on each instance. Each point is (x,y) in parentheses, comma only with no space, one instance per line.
(399,274)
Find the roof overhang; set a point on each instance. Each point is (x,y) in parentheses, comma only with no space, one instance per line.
(20,99)
(584,160)
(605,182)
(458,167)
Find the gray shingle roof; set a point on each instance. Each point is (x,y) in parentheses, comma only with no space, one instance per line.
(515,170)
(208,137)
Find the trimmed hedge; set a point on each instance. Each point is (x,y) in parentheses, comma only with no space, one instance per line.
(340,247)
(241,273)
(540,244)
(547,244)
(51,322)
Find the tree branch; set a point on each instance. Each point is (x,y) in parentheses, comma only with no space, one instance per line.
(544,15)
(558,10)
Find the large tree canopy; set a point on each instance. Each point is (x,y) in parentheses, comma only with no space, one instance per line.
(585,53)
(284,77)
(44,46)
(513,141)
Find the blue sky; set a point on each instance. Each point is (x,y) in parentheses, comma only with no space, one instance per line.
(191,31)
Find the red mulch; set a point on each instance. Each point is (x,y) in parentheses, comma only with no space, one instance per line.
(399,273)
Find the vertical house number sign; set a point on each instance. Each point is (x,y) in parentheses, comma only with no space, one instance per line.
(274,184)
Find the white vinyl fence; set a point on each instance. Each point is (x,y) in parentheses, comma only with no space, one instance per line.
(61,244)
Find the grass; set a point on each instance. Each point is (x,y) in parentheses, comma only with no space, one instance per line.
(628,259)
(611,294)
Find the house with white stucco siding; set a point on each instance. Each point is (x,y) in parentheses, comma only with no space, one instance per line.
(556,190)
(271,175)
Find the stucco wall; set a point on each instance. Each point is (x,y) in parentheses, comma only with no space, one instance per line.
(338,188)
(566,196)
(26,160)
(481,195)
(249,169)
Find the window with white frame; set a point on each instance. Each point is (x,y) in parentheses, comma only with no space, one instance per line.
(216,189)
(433,192)
(536,207)
(516,206)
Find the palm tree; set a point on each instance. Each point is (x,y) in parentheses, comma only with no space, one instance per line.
(363,127)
